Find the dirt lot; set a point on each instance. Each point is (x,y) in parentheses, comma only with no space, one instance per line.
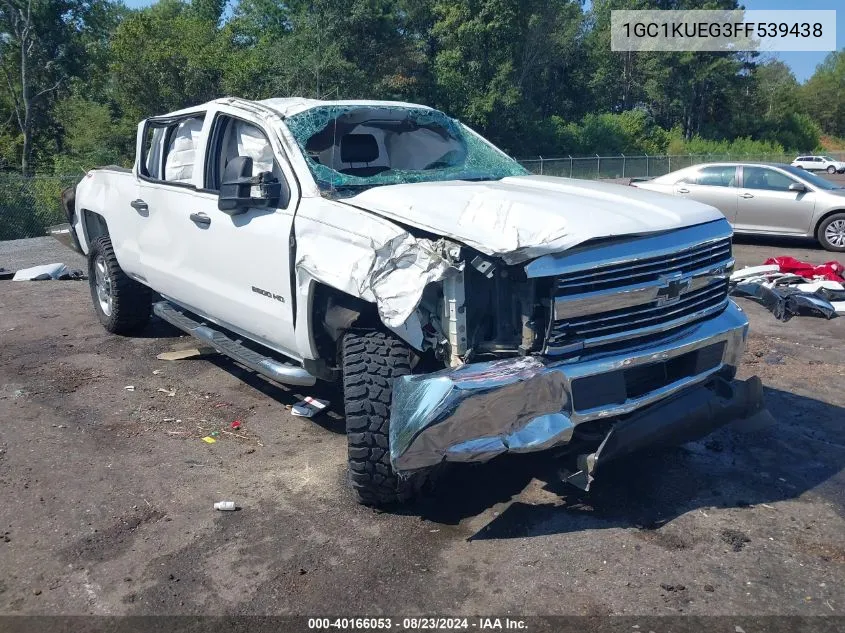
(106,493)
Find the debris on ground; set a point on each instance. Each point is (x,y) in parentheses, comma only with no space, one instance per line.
(309,407)
(208,439)
(225,506)
(789,287)
(235,425)
(47,271)
(129,387)
(734,538)
(170,392)
(184,354)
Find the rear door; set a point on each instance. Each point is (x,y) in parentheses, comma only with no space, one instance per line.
(714,185)
(767,205)
(170,148)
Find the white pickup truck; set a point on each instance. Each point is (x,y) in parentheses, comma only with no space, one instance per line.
(469,308)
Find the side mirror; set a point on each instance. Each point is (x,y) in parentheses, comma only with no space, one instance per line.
(798,186)
(240,190)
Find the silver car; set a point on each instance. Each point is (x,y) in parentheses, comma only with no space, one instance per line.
(764,198)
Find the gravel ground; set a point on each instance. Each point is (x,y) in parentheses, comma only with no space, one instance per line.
(107,492)
(17,254)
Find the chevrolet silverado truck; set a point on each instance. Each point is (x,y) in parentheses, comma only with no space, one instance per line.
(468,308)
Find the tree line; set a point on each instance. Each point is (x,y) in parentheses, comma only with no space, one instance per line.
(537,77)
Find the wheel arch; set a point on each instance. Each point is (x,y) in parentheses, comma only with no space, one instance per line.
(824,217)
(94,225)
(334,312)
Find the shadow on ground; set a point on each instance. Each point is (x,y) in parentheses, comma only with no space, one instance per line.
(785,242)
(801,452)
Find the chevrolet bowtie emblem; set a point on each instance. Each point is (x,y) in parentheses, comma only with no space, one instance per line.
(673,287)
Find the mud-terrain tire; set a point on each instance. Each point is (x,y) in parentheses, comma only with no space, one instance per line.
(122,304)
(371,362)
(831,231)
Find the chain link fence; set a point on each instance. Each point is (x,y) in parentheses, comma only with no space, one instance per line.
(593,167)
(29,205)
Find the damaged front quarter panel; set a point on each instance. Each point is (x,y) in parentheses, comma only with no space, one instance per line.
(370,258)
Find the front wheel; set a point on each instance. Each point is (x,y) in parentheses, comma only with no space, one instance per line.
(831,233)
(831,169)
(122,304)
(371,363)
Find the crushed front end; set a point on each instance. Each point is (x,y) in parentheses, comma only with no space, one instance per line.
(625,343)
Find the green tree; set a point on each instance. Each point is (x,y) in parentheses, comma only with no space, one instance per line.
(165,57)
(824,94)
(42,48)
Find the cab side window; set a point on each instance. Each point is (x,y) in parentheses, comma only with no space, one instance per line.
(182,150)
(170,149)
(765,179)
(233,137)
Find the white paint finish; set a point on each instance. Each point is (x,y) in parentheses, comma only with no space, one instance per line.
(294,105)
(519,218)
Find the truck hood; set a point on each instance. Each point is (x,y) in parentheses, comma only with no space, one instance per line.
(522,217)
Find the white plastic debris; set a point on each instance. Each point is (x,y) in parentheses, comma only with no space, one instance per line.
(225,506)
(818,285)
(129,387)
(755,271)
(309,407)
(53,270)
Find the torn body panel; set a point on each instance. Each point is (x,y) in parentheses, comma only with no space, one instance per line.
(367,257)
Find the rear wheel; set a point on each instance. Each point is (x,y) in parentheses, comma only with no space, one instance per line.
(122,304)
(371,363)
(831,233)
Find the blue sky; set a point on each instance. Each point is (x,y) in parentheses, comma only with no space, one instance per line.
(802,63)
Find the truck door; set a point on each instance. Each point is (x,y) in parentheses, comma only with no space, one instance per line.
(165,169)
(236,268)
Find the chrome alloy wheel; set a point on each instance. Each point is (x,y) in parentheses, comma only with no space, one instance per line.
(834,233)
(103,285)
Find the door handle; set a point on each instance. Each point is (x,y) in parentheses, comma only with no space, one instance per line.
(200,218)
(683,190)
(139,205)
(746,195)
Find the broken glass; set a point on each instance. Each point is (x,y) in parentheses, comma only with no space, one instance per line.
(349,148)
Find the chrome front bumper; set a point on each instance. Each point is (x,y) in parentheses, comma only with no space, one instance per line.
(480,410)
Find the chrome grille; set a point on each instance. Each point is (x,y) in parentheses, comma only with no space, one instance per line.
(613,303)
(650,269)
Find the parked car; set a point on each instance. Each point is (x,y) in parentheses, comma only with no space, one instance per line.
(764,198)
(820,163)
(468,308)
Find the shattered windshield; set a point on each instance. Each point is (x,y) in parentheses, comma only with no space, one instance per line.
(351,148)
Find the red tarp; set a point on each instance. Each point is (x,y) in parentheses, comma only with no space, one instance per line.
(829,270)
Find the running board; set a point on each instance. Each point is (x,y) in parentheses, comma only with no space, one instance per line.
(264,365)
